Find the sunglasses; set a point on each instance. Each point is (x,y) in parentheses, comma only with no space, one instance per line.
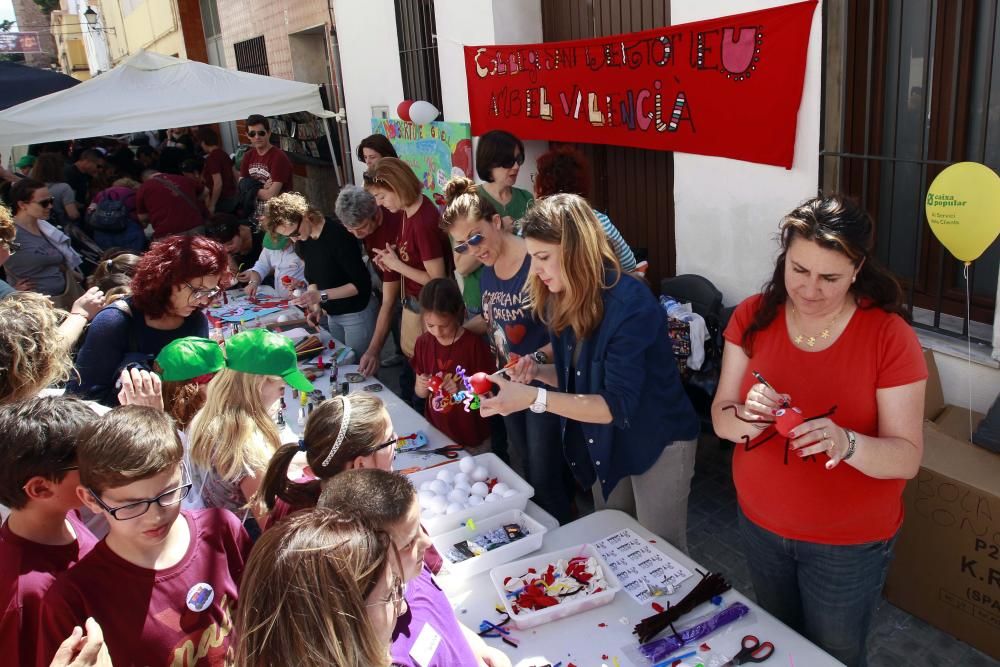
(471,242)
(509,162)
(256,133)
(45,203)
(12,246)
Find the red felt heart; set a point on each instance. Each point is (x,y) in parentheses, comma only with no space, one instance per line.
(515,332)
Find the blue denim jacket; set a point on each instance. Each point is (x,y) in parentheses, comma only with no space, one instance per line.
(628,360)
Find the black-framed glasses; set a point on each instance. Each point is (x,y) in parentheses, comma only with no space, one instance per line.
(12,246)
(470,242)
(508,163)
(137,509)
(388,443)
(256,133)
(198,293)
(45,203)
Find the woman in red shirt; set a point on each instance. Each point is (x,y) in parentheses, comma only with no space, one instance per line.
(820,509)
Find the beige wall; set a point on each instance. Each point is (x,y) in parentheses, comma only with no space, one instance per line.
(275,19)
(66,30)
(132,25)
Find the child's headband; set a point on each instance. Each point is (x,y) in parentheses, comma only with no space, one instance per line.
(345,422)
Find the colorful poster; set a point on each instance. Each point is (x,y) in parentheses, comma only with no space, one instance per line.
(436,152)
(728,87)
(20,42)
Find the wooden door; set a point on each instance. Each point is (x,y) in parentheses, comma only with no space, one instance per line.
(635,187)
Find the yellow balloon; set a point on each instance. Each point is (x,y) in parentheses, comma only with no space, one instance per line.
(963,209)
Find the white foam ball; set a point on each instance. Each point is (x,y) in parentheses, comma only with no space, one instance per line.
(463,485)
(425,497)
(438,505)
(445,476)
(458,496)
(475,500)
(480,489)
(439,487)
(461,477)
(492,498)
(500,488)
(427,515)
(466,464)
(453,507)
(480,473)
(509,493)
(425,486)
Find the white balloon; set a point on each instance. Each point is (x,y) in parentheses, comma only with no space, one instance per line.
(422,112)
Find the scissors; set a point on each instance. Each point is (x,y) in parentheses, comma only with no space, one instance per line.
(752,651)
(449,452)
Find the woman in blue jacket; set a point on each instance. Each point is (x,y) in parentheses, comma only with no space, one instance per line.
(628,429)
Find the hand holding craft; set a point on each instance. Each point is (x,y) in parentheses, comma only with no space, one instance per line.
(388,258)
(820,436)
(308,298)
(525,370)
(511,397)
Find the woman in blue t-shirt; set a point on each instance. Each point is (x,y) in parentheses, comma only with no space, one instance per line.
(513,332)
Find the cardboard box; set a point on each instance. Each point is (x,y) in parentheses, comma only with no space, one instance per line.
(946,569)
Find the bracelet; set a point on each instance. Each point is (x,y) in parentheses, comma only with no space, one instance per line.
(80,315)
(852,442)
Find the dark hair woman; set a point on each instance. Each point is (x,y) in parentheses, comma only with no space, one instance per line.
(827,335)
(374,147)
(174,281)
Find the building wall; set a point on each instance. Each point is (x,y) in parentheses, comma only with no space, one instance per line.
(31,19)
(275,20)
(68,34)
(153,25)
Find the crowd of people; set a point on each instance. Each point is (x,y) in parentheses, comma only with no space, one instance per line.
(156,514)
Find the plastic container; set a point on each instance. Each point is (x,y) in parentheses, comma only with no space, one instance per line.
(505,554)
(494,468)
(529,618)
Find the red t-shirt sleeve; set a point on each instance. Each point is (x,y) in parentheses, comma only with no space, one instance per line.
(741,318)
(140,202)
(427,236)
(900,357)
(423,357)
(245,164)
(59,615)
(281,169)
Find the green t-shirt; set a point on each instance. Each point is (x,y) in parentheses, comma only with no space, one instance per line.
(516,208)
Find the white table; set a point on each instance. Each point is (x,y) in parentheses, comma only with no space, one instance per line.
(580,639)
(405,420)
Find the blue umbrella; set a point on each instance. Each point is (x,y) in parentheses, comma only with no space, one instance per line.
(20,83)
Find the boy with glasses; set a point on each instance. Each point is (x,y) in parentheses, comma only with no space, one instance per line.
(265,163)
(42,537)
(180,577)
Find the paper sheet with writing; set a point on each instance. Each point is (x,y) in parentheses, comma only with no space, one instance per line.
(638,564)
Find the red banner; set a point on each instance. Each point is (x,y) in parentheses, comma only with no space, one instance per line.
(728,87)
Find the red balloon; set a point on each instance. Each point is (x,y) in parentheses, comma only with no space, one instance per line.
(788,418)
(403,110)
(481,383)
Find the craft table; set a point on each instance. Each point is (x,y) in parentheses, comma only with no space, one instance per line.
(404,419)
(599,636)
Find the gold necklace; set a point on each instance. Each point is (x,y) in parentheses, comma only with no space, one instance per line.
(810,341)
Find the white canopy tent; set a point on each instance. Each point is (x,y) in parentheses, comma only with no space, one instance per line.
(151,91)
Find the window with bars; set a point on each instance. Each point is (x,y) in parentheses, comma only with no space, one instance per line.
(418,52)
(251,56)
(908,91)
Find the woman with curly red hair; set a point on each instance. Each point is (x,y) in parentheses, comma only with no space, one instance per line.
(173,283)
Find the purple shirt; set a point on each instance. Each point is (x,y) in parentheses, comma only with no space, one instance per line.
(27,569)
(428,606)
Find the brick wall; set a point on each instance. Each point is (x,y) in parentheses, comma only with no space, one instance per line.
(275,19)
(31,19)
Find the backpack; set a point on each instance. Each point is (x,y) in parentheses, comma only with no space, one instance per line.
(111,215)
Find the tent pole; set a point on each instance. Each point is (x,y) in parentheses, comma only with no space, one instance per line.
(333,155)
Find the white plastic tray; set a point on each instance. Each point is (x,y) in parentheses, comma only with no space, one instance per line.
(495,468)
(529,618)
(508,552)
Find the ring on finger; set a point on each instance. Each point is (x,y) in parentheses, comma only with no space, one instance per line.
(826,435)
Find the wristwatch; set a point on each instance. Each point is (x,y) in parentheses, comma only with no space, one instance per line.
(541,401)
(324,297)
(540,357)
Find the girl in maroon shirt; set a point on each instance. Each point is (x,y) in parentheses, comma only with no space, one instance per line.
(445,346)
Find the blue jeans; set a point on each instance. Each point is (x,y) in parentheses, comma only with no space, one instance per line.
(355,329)
(825,592)
(536,441)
